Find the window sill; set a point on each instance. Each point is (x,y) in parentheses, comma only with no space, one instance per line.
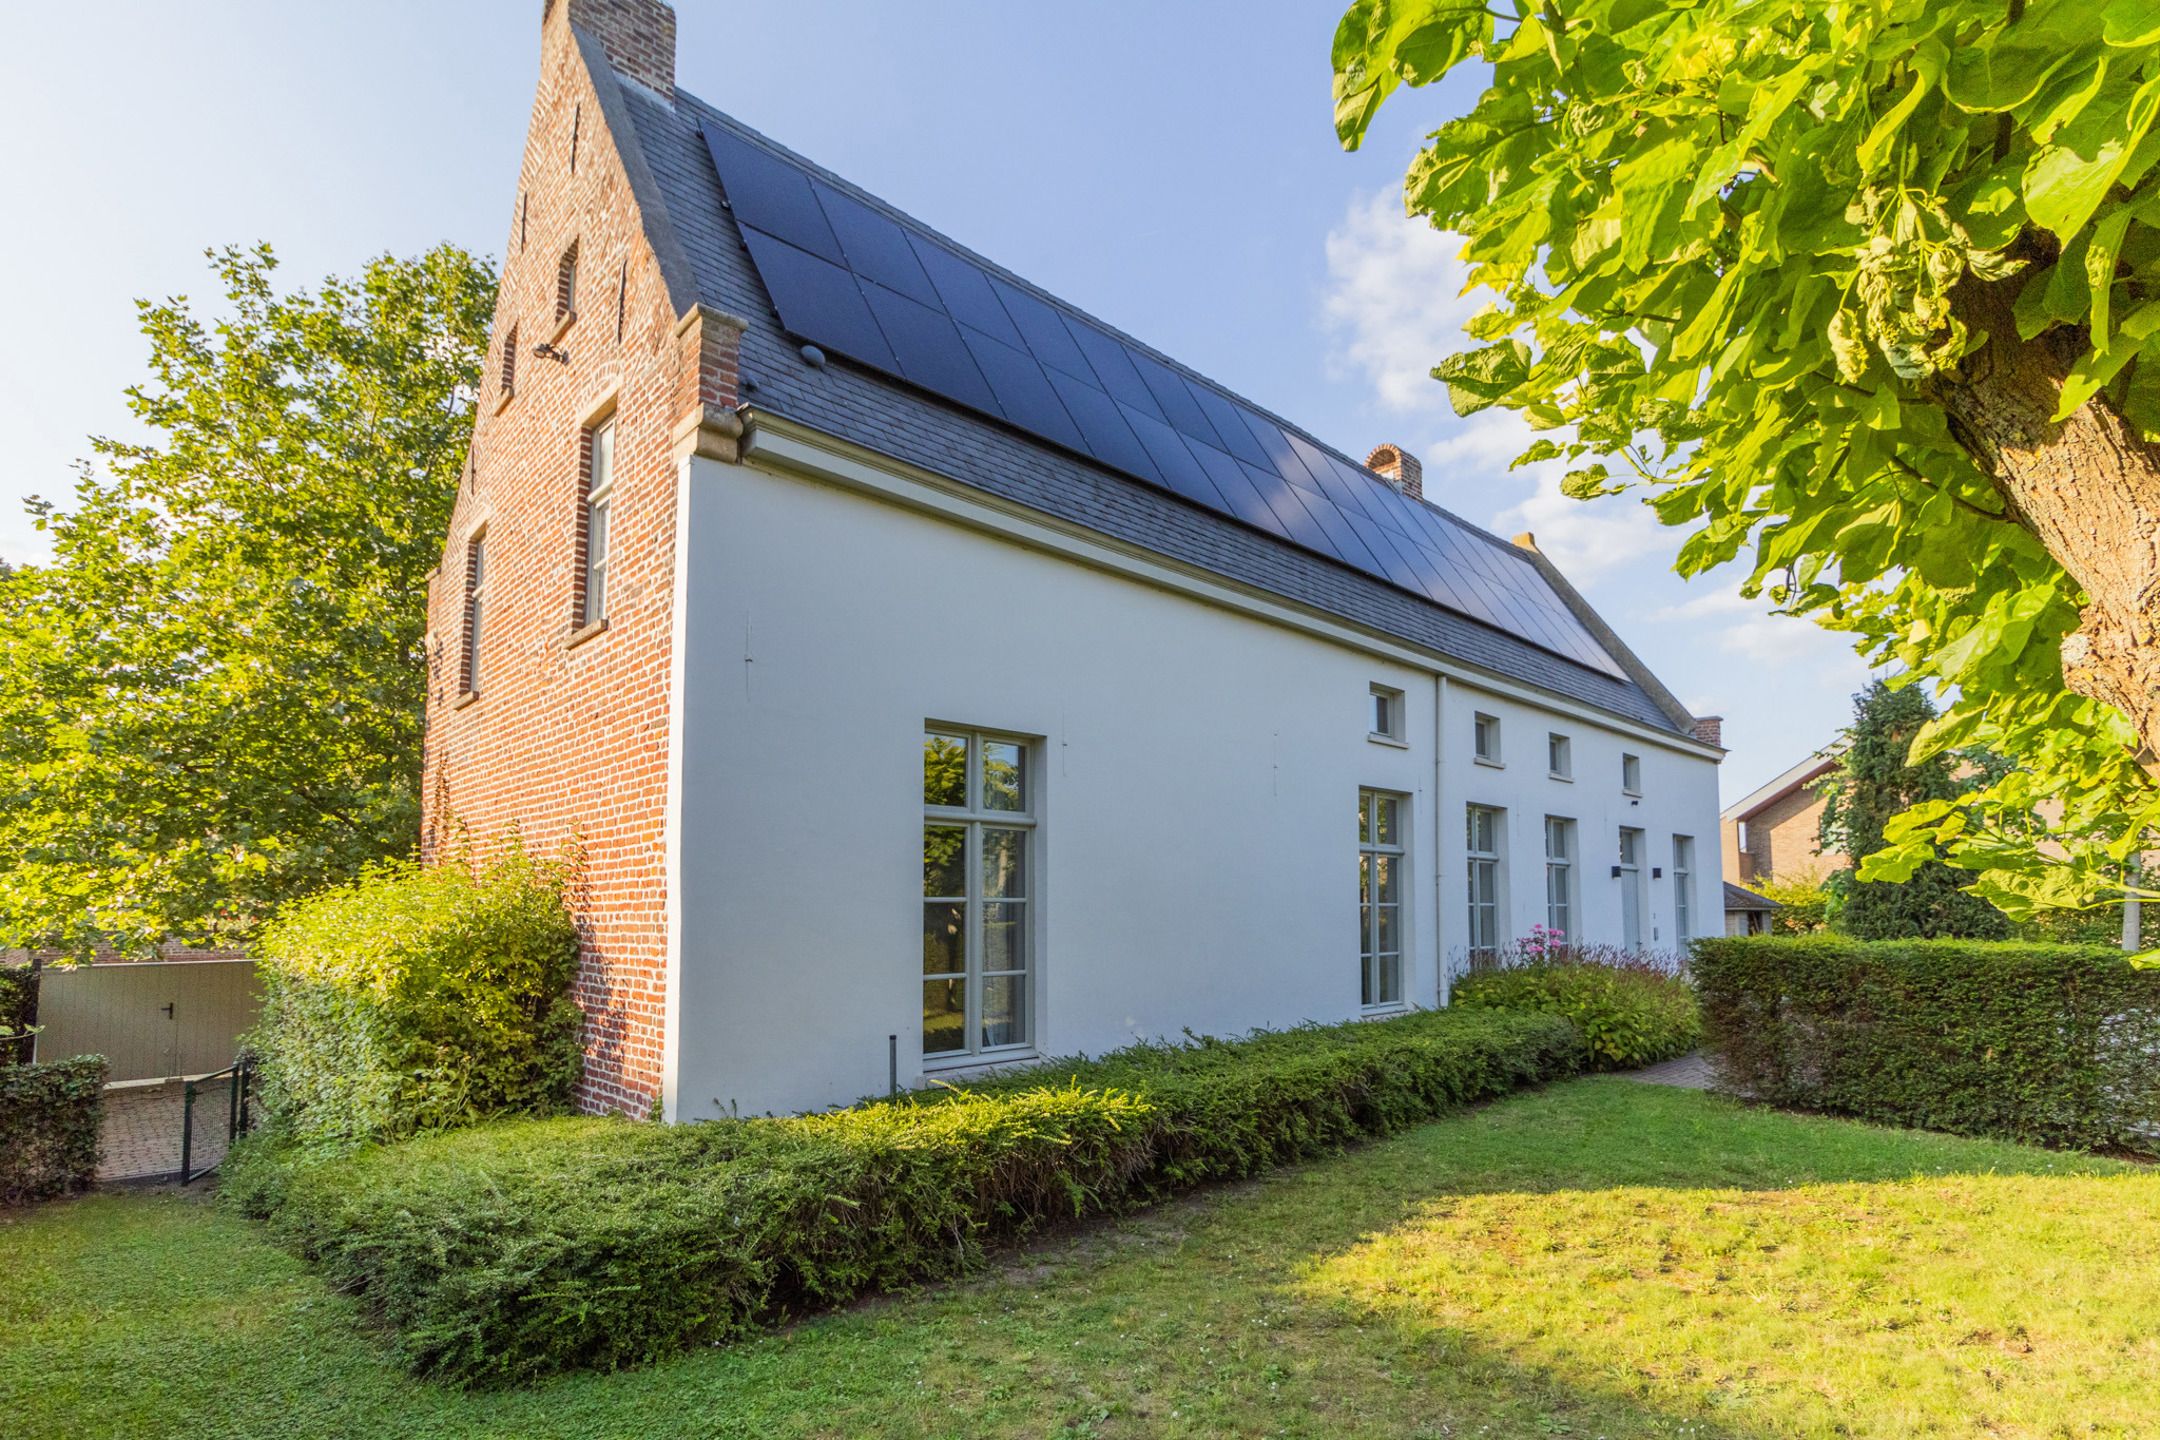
(1632,794)
(465,699)
(586,632)
(1394,741)
(562,327)
(981,1060)
(1489,764)
(502,401)
(1563,779)
(1384,1012)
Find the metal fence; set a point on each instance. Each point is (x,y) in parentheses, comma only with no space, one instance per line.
(215,1111)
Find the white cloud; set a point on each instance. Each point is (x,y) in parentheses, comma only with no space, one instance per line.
(1395,300)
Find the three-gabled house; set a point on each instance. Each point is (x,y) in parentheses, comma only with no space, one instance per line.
(932,677)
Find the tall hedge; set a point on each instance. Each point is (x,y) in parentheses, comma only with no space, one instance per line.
(2050,1043)
(418,999)
(18,1012)
(49,1119)
(506,1251)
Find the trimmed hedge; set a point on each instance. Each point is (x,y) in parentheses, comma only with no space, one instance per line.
(418,999)
(1630,1014)
(508,1251)
(2054,1044)
(49,1120)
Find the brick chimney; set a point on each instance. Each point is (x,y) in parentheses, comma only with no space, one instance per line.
(1399,468)
(1710,729)
(638,35)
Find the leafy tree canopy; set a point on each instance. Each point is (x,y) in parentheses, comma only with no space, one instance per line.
(1867,293)
(211,697)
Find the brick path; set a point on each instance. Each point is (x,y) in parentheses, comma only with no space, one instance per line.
(1689,1072)
(141,1135)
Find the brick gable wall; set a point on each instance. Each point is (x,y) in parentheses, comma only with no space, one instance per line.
(565,746)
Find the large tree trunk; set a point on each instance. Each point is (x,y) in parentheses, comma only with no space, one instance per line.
(2088,487)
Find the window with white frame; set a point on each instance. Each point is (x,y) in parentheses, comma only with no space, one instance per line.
(597,509)
(1482,827)
(1387,713)
(1631,774)
(978,885)
(1683,888)
(1559,757)
(1380,896)
(1485,737)
(475,609)
(1560,876)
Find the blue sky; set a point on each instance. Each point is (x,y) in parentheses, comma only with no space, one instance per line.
(1168,167)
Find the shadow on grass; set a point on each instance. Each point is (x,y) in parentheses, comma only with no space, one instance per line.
(1576,1261)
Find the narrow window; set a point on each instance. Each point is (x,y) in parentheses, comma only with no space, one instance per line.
(622,298)
(577,118)
(509,364)
(1683,888)
(1380,904)
(1387,713)
(475,608)
(524,215)
(978,835)
(1483,826)
(1559,757)
(1559,877)
(1485,738)
(1631,894)
(598,498)
(566,284)
(1631,774)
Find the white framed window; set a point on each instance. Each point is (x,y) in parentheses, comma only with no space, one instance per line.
(1560,876)
(596,510)
(1683,888)
(1482,826)
(1485,738)
(978,890)
(1387,713)
(1559,757)
(475,610)
(1631,774)
(1381,857)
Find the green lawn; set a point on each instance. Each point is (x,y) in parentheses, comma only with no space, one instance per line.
(1599,1259)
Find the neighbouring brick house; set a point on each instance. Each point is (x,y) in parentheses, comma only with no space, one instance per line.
(1776,829)
(818,580)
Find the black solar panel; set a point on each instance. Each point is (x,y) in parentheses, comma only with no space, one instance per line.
(853,279)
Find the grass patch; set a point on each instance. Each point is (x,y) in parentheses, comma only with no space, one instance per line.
(1598,1259)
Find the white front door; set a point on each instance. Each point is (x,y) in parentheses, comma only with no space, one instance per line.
(1631,889)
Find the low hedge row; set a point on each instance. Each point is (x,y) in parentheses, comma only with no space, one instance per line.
(1630,1013)
(504,1252)
(49,1119)
(2054,1044)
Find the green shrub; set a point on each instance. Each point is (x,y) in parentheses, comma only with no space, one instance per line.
(18,1012)
(504,1252)
(418,999)
(49,1119)
(2048,1043)
(1630,1013)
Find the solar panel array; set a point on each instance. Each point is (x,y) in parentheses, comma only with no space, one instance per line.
(854,280)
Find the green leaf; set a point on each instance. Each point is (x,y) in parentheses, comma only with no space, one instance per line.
(2066,181)
(1479,379)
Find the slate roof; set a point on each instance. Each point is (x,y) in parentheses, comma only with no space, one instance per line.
(1737,898)
(699,236)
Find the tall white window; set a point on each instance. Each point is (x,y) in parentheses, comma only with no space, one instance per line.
(475,609)
(1482,825)
(1683,888)
(1560,875)
(1631,774)
(599,495)
(1559,757)
(1631,892)
(978,879)
(1380,889)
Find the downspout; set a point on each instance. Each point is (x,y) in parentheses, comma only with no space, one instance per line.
(1439,909)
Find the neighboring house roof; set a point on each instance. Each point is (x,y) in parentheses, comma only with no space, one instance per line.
(1738,898)
(703,252)
(1817,765)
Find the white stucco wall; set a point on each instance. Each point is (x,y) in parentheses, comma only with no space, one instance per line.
(1198,770)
